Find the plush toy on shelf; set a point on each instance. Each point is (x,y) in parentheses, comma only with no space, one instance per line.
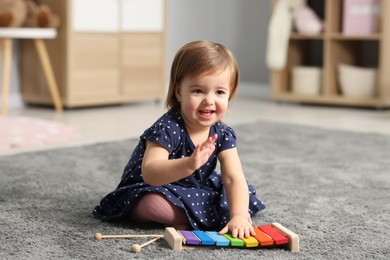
(306,21)
(288,15)
(27,13)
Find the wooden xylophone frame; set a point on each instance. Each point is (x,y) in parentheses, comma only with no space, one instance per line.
(177,242)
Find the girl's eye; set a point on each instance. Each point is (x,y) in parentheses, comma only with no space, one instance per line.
(220,92)
(197,91)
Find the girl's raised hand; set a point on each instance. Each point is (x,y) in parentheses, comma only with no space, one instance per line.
(202,153)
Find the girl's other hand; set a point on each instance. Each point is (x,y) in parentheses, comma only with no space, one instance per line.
(239,226)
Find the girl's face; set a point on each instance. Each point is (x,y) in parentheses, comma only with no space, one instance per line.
(204,99)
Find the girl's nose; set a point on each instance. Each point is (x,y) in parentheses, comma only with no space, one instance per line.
(209,100)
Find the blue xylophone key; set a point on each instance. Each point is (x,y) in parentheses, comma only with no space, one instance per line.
(219,240)
(204,238)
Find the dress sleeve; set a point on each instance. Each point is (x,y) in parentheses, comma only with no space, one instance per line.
(227,139)
(163,134)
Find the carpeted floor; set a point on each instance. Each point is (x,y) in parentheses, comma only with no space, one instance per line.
(330,187)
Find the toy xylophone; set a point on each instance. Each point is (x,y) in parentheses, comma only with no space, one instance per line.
(266,235)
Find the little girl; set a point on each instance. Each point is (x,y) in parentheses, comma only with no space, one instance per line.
(171,178)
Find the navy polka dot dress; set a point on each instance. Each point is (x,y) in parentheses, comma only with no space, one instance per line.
(201,195)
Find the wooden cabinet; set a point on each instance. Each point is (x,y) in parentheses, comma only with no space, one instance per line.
(331,48)
(106,52)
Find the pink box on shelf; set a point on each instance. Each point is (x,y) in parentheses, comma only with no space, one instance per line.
(361,17)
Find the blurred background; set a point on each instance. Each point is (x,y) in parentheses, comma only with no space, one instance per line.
(240,25)
(302,62)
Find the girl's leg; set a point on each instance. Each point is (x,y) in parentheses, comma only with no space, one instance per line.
(154,207)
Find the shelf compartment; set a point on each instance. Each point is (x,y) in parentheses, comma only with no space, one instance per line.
(301,52)
(305,52)
(352,52)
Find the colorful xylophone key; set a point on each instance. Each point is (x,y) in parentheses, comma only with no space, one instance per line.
(189,238)
(277,237)
(219,240)
(234,241)
(264,239)
(265,235)
(205,239)
(251,242)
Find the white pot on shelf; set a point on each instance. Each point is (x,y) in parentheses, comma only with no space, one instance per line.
(357,82)
(306,80)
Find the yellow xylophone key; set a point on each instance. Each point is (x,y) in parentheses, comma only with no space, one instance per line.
(250,242)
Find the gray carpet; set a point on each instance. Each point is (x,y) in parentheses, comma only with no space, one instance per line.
(330,187)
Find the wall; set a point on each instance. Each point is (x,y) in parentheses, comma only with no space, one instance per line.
(240,25)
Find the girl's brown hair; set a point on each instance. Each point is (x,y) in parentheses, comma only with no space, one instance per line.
(197,58)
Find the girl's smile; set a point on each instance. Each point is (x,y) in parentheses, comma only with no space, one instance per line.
(207,114)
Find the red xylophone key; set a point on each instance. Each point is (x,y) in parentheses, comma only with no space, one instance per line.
(279,238)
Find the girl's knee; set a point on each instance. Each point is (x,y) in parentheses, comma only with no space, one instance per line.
(156,207)
(153,202)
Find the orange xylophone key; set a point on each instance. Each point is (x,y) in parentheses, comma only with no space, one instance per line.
(279,238)
(264,239)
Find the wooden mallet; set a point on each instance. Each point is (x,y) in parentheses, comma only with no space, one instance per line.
(99,236)
(136,248)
